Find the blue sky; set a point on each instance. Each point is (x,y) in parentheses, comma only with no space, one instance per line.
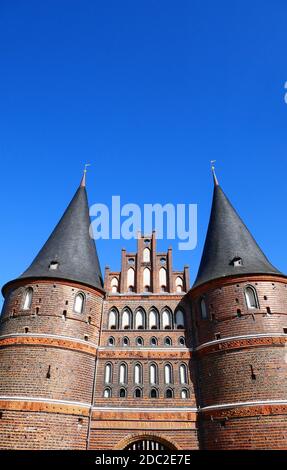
(148,92)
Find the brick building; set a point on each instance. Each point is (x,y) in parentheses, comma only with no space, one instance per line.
(139,360)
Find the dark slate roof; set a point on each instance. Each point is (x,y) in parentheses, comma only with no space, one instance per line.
(71,246)
(227,239)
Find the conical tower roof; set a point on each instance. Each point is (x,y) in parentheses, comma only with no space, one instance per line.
(70,253)
(229,248)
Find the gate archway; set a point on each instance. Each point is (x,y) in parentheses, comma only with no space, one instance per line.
(146,442)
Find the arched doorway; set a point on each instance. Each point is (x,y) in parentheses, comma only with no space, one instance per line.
(146,442)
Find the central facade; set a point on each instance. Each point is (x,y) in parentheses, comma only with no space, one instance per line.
(143,385)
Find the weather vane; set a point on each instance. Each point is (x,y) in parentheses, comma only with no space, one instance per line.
(86,166)
(213,172)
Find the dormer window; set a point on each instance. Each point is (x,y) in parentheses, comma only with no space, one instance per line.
(53,265)
(237,261)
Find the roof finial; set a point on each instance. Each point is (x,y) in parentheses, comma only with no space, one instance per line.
(83,182)
(213,173)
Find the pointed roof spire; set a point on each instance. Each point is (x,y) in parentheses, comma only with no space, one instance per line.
(229,248)
(70,252)
(215,180)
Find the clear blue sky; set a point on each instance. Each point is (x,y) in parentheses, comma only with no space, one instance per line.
(148,92)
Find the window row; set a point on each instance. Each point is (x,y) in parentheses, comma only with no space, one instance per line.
(251,299)
(137,374)
(138,393)
(79,302)
(139,320)
(140,342)
(147,283)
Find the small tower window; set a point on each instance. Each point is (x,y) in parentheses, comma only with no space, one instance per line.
(28,298)
(251,297)
(53,265)
(203,309)
(123,393)
(79,303)
(126,341)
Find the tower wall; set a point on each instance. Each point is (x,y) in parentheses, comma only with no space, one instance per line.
(241,363)
(47,356)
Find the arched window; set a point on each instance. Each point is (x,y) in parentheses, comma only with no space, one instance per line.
(203,309)
(181,341)
(107,393)
(140,320)
(115,284)
(167,374)
(251,297)
(111,341)
(138,376)
(126,320)
(126,341)
(123,374)
(79,303)
(169,393)
(153,393)
(179,319)
(166,320)
(146,279)
(167,341)
(153,320)
(184,394)
(123,393)
(28,296)
(146,255)
(153,375)
(108,373)
(162,278)
(131,278)
(139,341)
(153,341)
(183,374)
(113,320)
(138,393)
(179,284)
